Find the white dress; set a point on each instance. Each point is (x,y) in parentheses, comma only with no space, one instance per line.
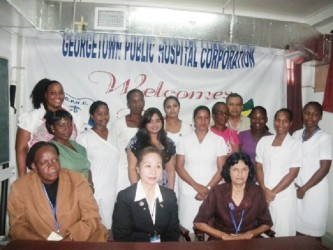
(122,135)
(104,158)
(200,163)
(184,130)
(276,161)
(312,210)
(33,121)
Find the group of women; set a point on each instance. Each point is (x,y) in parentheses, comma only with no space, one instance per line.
(143,156)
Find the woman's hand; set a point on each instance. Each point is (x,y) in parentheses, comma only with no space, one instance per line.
(301,192)
(202,191)
(244,236)
(269,194)
(230,236)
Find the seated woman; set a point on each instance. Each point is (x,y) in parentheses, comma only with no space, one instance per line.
(51,203)
(236,209)
(146,211)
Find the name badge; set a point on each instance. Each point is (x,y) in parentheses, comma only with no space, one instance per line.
(155,239)
(54,237)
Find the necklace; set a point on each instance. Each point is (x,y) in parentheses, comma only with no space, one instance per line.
(304,133)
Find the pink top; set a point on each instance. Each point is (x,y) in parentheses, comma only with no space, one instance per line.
(230,137)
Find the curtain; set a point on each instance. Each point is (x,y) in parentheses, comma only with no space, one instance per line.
(294,94)
(328,94)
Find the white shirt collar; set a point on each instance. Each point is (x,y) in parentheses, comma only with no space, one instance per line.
(140,192)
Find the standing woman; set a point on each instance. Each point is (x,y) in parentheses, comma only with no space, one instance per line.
(124,129)
(200,158)
(104,157)
(312,183)
(152,133)
(174,127)
(47,95)
(72,155)
(278,160)
(249,138)
(220,114)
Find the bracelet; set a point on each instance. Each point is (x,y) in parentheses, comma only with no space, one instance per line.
(209,187)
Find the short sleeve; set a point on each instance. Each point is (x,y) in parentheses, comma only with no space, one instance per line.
(326,147)
(222,148)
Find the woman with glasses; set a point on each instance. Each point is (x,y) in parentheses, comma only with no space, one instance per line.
(220,115)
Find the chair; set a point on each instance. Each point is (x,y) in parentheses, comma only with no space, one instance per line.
(185,233)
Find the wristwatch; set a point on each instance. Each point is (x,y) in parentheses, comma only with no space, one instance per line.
(209,187)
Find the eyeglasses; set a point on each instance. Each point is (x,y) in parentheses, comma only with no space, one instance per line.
(222,113)
(48,164)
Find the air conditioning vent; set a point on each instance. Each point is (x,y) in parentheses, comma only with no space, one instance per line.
(110,19)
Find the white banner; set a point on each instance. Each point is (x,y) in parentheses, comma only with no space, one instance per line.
(105,67)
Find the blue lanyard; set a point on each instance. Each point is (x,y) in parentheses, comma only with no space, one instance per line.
(53,208)
(304,131)
(232,215)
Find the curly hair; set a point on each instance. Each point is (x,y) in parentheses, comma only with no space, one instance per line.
(38,93)
(33,151)
(234,159)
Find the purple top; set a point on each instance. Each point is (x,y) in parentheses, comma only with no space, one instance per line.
(215,209)
(248,144)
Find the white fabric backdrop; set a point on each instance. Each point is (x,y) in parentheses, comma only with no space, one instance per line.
(140,62)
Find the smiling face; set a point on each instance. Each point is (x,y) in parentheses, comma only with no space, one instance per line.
(221,115)
(311,116)
(258,120)
(150,168)
(54,96)
(282,122)
(171,108)
(46,164)
(62,129)
(239,173)
(154,125)
(101,116)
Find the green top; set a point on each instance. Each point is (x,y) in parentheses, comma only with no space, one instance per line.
(73,160)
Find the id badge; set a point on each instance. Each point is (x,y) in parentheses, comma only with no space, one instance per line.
(155,239)
(54,237)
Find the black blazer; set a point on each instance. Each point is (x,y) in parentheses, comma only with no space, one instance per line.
(132,220)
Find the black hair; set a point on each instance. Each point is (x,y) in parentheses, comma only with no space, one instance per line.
(288,111)
(215,107)
(234,159)
(171,97)
(234,95)
(260,109)
(95,105)
(197,109)
(143,136)
(38,93)
(316,105)
(147,150)
(132,91)
(33,150)
(52,117)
